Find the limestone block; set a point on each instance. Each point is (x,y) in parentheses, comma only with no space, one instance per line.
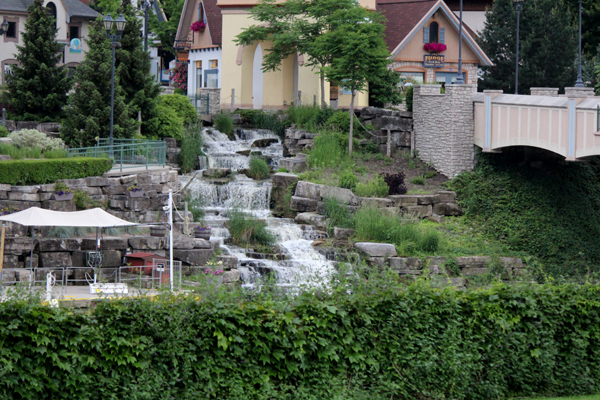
(474,271)
(376,261)
(92,191)
(65,205)
(283,179)
(183,242)
(293,164)
(308,190)
(12,261)
(447,209)
(25,189)
(6,188)
(23,196)
(111,258)
(232,276)
(128,179)
(107,243)
(418,211)
(424,200)
(473,261)
(344,196)
(264,142)
(96,181)
(341,233)
(310,218)
(404,199)
(511,262)
(435,265)
(202,244)
(147,243)
(393,123)
(47,245)
(405,263)
(436,218)
(216,172)
(302,204)
(117,204)
(18,246)
(8,276)
(114,189)
(75,183)
(193,257)
(375,202)
(377,249)
(446,196)
(23,275)
(229,262)
(138,204)
(43,196)
(56,259)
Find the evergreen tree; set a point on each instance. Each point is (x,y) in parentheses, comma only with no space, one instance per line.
(133,66)
(88,110)
(38,88)
(590,28)
(547,46)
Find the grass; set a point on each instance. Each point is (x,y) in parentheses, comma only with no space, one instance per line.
(258,169)
(191,148)
(17,153)
(375,187)
(594,397)
(223,123)
(245,229)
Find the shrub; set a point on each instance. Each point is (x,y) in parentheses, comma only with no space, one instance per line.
(340,121)
(304,116)
(326,151)
(247,229)
(3,131)
(258,169)
(17,153)
(271,122)
(337,215)
(32,138)
(223,123)
(348,180)
(83,200)
(60,153)
(419,180)
(430,174)
(371,148)
(409,98)
(375,187)
(191,148)
(395,182)
(181,105)
(166,123)
(36,172)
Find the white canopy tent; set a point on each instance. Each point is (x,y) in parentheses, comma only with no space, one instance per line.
(94,218)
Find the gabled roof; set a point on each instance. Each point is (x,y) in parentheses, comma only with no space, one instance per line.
(213,19)
(406,17)
(74,8)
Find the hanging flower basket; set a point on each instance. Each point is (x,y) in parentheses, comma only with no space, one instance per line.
(198,26)
(434,47)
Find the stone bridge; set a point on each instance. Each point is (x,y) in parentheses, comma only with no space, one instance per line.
(446,125)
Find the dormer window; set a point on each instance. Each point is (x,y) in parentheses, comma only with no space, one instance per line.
(51,8)
(434,32)
(201,15)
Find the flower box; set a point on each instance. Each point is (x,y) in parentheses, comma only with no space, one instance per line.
(198,26)
(205,234)
(63,197)
(434,47)
(136,193)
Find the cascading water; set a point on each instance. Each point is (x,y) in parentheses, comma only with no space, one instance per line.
(302,265)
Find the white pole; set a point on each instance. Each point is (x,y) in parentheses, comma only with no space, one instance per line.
(49,279)
(170,204)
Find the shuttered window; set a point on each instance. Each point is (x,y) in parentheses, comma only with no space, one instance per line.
(442,35)
(426,34)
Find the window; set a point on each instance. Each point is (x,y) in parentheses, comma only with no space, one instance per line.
(7,67)
(51,8)
(411,78)
(12,30)
(73,32)
(346,90)
(211,76)
(434,29)
(198,76)
(201,15)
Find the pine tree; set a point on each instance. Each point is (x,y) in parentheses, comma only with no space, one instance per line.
(88,110)
(133,66)
(547,46)
(38,88)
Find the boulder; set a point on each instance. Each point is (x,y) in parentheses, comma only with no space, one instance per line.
(447,209)
(128,179)
(107,243)
(64,205)
(377,249)
(426,199)
(232,276)
(229,262)
(344,196)
(283,179)
(26,189)
(436,218)
(375,202)
(293,164)
(403,264)
(216,172)
(6,188)
(18,246)
(56,260)
(418,211)
(341,233)
(264,142)
(446,196)
(147,243)
(402,200)
(376,261)
(193,257)
(12,261)
(202,244)
(303,205)
(46,245)
(308,190)
(111,258)
(473,261)
(96,181)
(183,242)
(310,218)
(22,196)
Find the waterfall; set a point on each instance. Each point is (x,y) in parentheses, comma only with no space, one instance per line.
(303,264)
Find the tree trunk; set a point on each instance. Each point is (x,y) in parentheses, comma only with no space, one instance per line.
(351,123)
(323,104)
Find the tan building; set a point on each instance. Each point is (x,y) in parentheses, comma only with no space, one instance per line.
(72,21)
(413,25)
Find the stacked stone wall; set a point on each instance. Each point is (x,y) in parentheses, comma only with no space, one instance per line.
(443,127)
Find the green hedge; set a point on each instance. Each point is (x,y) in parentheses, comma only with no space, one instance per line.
(403,343)
(37,172)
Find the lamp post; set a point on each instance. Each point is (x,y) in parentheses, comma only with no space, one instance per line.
(579,82)
(4,27)
(108,25)
(518,6)
(146,5)
(459,78)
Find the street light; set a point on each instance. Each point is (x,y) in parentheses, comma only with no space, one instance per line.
(146,5)
(108,26)
(518,6)
(459,78)
(4,27)
(579,82)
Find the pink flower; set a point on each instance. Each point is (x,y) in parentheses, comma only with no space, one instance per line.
(198,26)
(434,47)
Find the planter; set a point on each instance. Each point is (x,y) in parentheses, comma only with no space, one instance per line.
(205,234)
(63,197)
(157,231)
(137,193)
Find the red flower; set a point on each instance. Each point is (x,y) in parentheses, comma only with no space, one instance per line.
(434,47)
(198,26)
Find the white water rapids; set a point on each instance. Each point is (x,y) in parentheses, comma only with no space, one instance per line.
(304,265)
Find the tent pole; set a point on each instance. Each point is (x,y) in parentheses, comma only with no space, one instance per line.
(170,204)
(96,256)
(31,260)
(2,250)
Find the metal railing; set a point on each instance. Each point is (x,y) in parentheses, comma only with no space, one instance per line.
(126,153)
(201,102)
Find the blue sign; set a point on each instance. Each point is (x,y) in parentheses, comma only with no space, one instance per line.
(75,46)
(165,75)
(433,61)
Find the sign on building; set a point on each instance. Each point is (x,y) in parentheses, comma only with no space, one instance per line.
(433,61)
(75,46)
